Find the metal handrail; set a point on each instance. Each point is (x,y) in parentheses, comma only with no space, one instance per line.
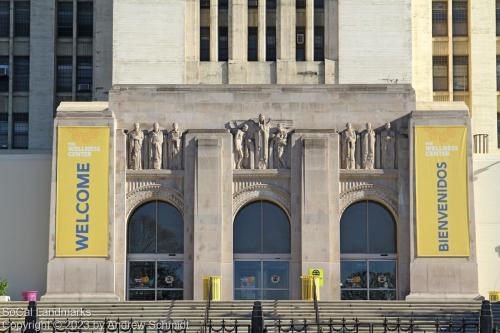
(207,306)
(316,308)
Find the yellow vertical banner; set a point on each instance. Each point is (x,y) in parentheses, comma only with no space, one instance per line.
(441,191)
(82,191)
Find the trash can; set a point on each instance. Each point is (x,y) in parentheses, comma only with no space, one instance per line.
(214,282)
(30,296)
(308,283)
(494,296)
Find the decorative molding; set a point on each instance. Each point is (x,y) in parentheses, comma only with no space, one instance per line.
(261,191)
(382,194)
(154,191)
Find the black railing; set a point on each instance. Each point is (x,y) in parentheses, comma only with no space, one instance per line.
(316,307)
(207,306)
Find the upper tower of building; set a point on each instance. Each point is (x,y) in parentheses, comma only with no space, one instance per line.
(261,42)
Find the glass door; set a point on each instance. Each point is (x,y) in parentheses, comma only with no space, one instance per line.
(254,280)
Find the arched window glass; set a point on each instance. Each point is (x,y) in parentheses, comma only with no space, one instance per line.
(368,252)
(155,248)
(261,252)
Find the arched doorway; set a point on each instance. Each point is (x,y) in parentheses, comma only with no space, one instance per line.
(155,247)
(261,243)
(368,252)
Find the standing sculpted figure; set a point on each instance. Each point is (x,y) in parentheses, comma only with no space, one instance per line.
(280,141)
(369,147)
(388,140)
(156,148)
(174,147)
(135,140)
(262,143)
(238,141)
(349,144)
(248,148)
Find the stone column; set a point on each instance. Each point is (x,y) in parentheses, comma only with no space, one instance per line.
(238,30)
(262,30)
(214,31)
(192,47)
(208,202)
(331,41)
(310,30)
(317,209)
(285,41)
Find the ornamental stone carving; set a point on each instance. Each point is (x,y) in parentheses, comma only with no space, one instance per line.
(174,140)
(154,192)
(135,141)
(258,145)
(156,147)
(349,147)
(387,147)
(368,147)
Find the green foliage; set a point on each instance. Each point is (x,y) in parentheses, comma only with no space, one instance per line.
(4,284)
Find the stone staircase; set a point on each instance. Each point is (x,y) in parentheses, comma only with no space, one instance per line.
(424,314)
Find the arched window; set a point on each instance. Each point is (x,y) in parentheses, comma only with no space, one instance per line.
(368,251)
(261,252)
(155,250)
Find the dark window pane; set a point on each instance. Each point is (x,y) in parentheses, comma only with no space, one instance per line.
(65,19)
(252,44)
(440,73)
(439,18)
(170,274)
(141,275)
(381,230)
(382,295)
(460,73)
(205,3)
(353,229)
(247,229)
(276,229)
(20,127)
(64,78)
(85,19)
(300,40)
(276,295)
(223,44)
(270,44)
(253,3)
(170,229)
(142,229)
(21,74)
(300,3)
(354,295)
(271,4)
(247,274)
(498,17)
(205,44)
(4,18)
(498,73)
(460,18)
(4,74)
(319,4)
(275,274)
(170,295)
(141,295)
(21,18)
(4,130)
(250,294)
(383,274)
(319,42)
(222,4)
(353,274)
(84,74)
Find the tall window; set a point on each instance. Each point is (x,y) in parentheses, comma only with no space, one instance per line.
(440,73)
(21,18)
(253,44)
(498,17)
(65,19)
(4,130)
(270,4)
(205,44)
(155,253)
(300,3)
(84,74)
(460,73)
(368,252)
(319,43)
(460,18)
(85,19)
(300,39)
(270,44)
(223,44)
(498,73)
(261,246)
(21,74)
(439,18)
(318,4)
(4,18)
(4,73)
(64,76)
(20,127)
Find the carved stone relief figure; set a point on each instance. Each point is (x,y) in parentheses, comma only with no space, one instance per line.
(262,143)
(174,141)
(156,147)
(238,140)
(135,140)
(368,147)
(279,143)
(349,147)
(248,148)
(387,145)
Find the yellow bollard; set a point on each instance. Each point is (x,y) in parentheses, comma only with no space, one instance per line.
(307,287)
(494,296)
(214,283)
